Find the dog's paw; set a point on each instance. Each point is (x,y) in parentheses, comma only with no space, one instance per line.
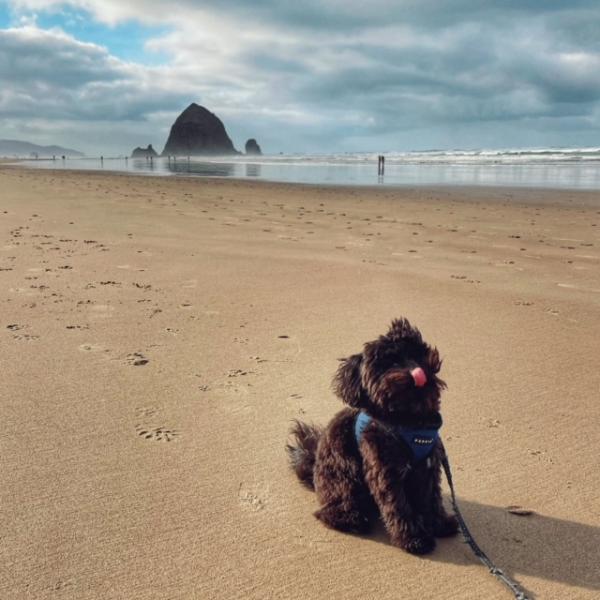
(347,521)
(446,527)
(418,545)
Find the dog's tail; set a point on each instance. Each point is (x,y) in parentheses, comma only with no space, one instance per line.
(302,451)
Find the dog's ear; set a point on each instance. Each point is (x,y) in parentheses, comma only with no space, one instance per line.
(347,382)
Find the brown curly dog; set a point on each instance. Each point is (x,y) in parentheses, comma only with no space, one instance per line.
(381,456)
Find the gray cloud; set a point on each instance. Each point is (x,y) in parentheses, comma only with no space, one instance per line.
(327,74)
(51,74)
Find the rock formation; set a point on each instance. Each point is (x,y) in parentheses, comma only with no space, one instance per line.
(144,152)
(252,147)
(198,132)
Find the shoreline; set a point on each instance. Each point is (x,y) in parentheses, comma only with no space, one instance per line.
(455,191)
(160,334)
(282,173)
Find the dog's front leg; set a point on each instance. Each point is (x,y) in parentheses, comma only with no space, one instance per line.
(385,473)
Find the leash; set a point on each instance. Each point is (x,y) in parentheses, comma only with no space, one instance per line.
(514,587)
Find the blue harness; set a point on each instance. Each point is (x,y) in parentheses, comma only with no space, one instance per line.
(420,441)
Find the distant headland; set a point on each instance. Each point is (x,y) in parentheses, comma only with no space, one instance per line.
(20,149)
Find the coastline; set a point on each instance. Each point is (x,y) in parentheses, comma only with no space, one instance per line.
(168,478)
(527,195)
(331,171)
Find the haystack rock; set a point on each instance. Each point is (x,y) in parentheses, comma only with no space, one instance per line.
(196,132)
(144,152)
(252,147)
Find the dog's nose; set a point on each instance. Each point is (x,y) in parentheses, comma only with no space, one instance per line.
(419,377)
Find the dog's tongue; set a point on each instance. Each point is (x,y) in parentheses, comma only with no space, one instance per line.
(419,376)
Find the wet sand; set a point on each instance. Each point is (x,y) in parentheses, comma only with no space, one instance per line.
(159,335)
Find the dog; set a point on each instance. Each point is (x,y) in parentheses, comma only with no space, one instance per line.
(382,455)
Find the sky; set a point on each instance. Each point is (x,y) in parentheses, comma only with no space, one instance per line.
(313,76)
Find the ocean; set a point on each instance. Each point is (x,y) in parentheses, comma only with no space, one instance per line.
(568,168)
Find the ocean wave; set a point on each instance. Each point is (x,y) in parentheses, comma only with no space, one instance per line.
(458,157)
(531,167)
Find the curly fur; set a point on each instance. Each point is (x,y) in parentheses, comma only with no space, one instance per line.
(355,483)
(302,454)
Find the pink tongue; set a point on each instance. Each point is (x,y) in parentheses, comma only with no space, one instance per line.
(419,376)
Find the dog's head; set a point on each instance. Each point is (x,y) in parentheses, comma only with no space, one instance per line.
(395,378)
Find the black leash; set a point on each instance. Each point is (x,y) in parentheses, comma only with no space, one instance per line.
(514,587)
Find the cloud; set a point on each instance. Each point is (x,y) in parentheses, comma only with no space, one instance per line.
(50,73)
(326,74)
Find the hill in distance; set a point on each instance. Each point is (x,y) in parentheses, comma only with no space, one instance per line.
(17,148)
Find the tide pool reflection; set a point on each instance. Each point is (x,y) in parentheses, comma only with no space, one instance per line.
(252,170)
(325,171)
(183,166)
(208,169)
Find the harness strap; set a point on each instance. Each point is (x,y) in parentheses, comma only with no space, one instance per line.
(514,587)
(420,442)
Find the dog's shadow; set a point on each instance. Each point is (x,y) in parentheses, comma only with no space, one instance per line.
(535,545)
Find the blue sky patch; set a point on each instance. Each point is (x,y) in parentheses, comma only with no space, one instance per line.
(125,40)
(5,18)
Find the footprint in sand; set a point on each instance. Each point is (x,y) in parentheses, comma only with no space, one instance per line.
(238,373)
(92,348)
(151,431)
(27,337)
(146,411)
(157,434)
(137,359)
(258,359)
(464,278)
(250,499)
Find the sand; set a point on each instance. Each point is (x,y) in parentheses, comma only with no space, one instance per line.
(159,334)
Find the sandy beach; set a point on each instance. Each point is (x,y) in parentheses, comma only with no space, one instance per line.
(159,335)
